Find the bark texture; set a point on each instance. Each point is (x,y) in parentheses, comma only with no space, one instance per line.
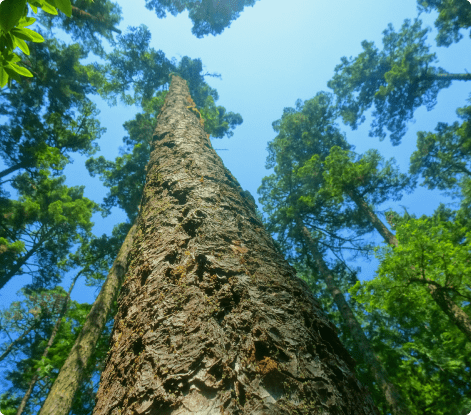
(61,396)
(212,319)
(376,368)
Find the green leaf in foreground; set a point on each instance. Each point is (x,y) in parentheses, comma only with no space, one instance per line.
(11,12)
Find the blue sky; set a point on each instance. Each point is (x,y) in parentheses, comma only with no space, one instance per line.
(275,53)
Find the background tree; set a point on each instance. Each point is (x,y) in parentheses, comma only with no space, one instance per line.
(96,254)
(208,16)
(309,130)
(453,15)
(335,180)
(443,158)
(304,182)
(396,80)
(86,19)
(41,227)
(66,392)
(308,191)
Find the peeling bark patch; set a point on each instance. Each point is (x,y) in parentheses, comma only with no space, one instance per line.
(145,271)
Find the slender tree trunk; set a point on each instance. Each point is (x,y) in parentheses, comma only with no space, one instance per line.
(212,320)
(11,169)
(53,335)
(60,398)
(449,307)
(438,293)
(377,223)
(452,76)
(16,341)
(379,373)
(76,12)
(19,263)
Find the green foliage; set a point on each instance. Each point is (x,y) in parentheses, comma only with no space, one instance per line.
(208,16)
(341,174)
(132,65)
(429,249)
(50,217)
(51,116)
(45,306)
(9,40)
(434,364)
(397,80)
(453,15)
(9,403)
(297,192)
(13,33)
(11,12)
(14,19)
(91,21)
(443,157)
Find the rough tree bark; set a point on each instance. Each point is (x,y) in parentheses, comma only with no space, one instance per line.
(212,319)
(61,396)
(376,368)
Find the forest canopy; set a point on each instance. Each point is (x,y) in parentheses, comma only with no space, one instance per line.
(326,206)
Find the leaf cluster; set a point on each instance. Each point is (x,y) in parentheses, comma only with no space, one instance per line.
(208,17)
(396,81)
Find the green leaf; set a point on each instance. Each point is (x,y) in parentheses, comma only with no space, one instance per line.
(27,34)
(49,9)
(12,72)
(8,41)
(20,70)
(11,11)
(3,77)
(27,21)
(63,5)
(22,45)
(13,57)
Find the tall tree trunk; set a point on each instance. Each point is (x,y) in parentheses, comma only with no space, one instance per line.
(211,319)
(379,373)
(377,223)
(53,335)
(60,397)
(438,293)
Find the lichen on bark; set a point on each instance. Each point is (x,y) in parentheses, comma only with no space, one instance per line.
(212,319)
